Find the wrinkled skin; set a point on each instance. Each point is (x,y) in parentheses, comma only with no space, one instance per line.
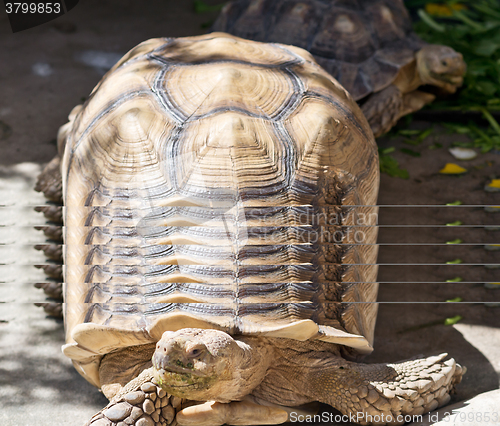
(207,365)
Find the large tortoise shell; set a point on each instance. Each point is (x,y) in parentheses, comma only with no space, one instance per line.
(362,43)
(215,182)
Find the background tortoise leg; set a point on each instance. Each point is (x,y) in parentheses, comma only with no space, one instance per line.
(415,101)
(390,390)
(383,109)
(139,403)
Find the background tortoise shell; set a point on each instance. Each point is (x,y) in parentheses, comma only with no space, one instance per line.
(362,43)
(206,183)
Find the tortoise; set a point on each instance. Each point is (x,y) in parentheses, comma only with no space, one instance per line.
(220,242)
(367,45)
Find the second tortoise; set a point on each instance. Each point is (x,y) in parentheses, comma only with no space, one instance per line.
(367,45)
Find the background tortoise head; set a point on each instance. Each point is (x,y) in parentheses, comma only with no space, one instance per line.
(441,66)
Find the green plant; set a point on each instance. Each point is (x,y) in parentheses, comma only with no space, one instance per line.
(473,29)
(389,165)
(201,7)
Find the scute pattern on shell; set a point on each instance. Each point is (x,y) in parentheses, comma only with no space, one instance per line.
(211,182)
(362,43)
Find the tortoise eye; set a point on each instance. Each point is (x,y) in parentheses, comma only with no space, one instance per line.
(195,352)
(444,63)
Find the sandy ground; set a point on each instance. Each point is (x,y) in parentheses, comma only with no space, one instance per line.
(47,70)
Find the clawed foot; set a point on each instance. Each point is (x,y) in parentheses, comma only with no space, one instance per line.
(421,386)
(410,388)
(148,405)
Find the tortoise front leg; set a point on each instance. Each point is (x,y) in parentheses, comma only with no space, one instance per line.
(415,101)
(139,403)
(384,393)
(383,109)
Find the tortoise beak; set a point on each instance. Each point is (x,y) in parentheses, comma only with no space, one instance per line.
(178,355)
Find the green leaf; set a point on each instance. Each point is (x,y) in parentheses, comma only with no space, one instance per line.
(454,262)
(435,146)
(425,133)
(456,223)
(201,7)
(430,22)
(486,87)
(466,20)
(454,300)
(486,47)
(455,203)
(410,152)
(458,128)
(457,241)
(390,166)
(387,150)
(491,120)
(419,135)
(486,10)
(455,280)
(453,320)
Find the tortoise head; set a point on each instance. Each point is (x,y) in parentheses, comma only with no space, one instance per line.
(202,365)
(441,66)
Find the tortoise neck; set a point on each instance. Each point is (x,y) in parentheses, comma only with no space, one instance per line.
(258,356)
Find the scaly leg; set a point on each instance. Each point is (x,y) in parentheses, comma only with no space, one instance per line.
(139,403)
(384,393)
(383,109)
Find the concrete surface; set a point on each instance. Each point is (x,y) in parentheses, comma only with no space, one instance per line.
(38,385)
(47,70)
(482,410)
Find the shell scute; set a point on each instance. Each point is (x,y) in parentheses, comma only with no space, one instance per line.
(343,36)
(257,92)
(295,14)
(390,21)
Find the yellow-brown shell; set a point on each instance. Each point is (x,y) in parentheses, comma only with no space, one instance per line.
(215,182)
